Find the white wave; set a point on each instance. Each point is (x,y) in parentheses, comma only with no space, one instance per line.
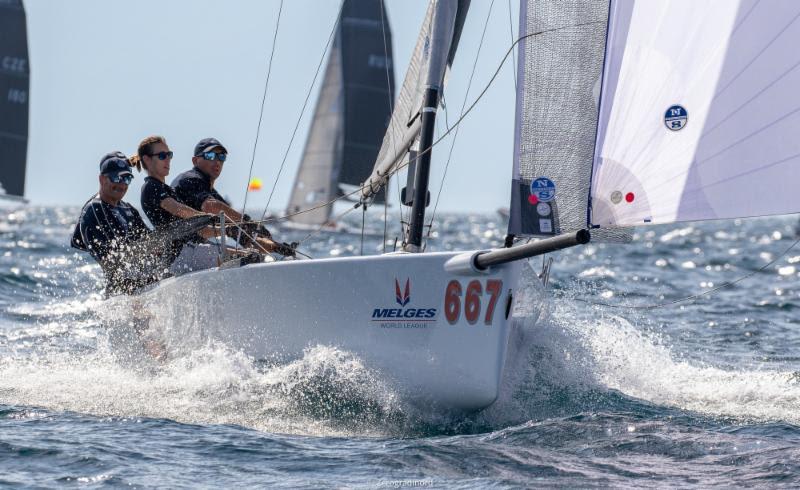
(608,351)
(326,393)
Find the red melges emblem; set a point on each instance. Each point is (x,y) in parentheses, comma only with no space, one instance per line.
(404,297)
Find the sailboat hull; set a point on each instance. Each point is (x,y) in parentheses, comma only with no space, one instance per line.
(440,337)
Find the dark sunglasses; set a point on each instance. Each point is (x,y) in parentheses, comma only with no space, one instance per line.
(210,155)
(120,179)
(162,155)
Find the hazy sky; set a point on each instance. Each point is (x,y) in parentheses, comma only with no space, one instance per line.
(106,73)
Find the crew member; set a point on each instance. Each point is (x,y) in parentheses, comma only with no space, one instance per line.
(195,187)
(113,233)
(163,208)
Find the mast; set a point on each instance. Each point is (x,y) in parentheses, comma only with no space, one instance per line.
(414,114)
(422,171)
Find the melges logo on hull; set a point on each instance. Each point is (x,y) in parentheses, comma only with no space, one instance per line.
(403,317)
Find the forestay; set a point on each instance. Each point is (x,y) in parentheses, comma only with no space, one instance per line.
(433,54)
(700,112)
(560,65)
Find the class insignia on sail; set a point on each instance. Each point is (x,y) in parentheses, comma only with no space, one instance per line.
(14,98)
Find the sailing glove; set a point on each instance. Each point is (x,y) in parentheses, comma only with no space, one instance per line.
(287,249)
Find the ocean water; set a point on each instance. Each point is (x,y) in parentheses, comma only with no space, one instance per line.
(693,394)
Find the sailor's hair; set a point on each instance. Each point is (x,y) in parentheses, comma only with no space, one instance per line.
(145,147)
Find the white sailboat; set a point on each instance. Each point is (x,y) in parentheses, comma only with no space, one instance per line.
(14,100)
(628,113)
(350,118)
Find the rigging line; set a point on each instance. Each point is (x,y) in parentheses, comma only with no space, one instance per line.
(463,105)
(485,89)
(263,102)
(695,296)
(335,219)
(391,120)
(385,221)
(401,166)
(303,110)
(511,32)
(363,223)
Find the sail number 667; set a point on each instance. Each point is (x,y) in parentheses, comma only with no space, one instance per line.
(473,297)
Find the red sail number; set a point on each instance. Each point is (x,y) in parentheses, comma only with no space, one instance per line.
(452,302)
(472,301)
(493,287)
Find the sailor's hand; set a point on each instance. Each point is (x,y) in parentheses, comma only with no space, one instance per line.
(286,249)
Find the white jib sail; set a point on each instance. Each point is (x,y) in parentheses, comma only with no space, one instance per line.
(700,112)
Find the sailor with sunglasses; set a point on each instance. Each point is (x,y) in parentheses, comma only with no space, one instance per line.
(108,228)
(164,209)
(195,188)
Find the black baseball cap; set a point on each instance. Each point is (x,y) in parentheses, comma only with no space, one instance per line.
(207,144)
(115,163)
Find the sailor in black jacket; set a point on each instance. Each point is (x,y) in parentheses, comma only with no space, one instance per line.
(113,232)
(195,188)
(165,209)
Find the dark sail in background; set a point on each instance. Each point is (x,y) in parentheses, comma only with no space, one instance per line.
(352,112)
(14,82)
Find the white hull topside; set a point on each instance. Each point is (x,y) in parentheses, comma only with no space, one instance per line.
(392,311)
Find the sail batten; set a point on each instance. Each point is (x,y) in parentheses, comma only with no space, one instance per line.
(14,98)
(701,129)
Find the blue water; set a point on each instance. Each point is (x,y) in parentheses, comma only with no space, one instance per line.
(690,395)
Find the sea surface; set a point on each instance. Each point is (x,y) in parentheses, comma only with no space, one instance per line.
(698,393)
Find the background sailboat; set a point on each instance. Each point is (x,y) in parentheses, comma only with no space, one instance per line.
(351,115)
(14,99)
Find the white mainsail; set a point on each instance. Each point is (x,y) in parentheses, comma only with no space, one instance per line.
(700,112)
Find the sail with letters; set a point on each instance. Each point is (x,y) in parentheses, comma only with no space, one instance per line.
(352,112)
(14,99)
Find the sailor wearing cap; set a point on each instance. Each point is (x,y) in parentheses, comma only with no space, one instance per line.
(195,188)
(108,226)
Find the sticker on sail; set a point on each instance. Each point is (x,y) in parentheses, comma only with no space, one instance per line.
(675,118)
(543,209)
(616,197)
(544,189)
(546,226)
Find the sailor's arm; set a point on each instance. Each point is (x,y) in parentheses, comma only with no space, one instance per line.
(213,206)
(178,209)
